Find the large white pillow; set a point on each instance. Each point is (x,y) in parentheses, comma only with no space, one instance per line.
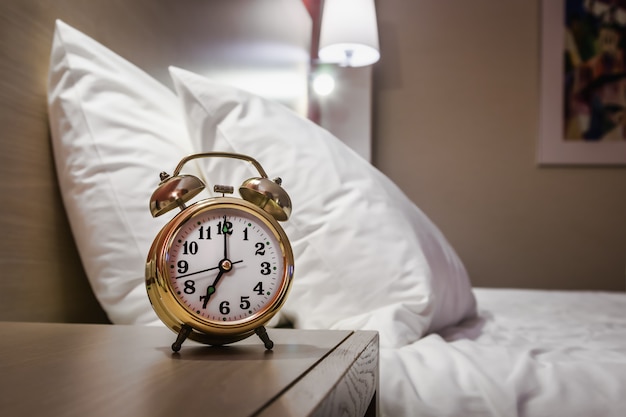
(366,257)
(114,128)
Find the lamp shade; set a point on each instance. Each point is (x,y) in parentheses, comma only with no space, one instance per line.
(349,33)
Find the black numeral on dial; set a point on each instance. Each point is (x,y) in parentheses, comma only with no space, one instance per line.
(190,248)
(190,287)
(226,227)
(183,266)
(265,268)
(224,307)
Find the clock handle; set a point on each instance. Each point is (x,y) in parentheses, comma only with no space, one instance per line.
(174,191)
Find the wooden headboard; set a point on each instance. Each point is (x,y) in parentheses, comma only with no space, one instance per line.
(41,276)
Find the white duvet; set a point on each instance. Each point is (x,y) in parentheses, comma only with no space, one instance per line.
(529,353)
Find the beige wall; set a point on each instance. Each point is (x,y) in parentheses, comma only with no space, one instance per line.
(455,125)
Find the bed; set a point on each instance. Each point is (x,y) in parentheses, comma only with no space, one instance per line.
(92,111)
(527,353)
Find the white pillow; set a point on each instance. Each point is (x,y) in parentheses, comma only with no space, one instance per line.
(365,256)
(114,128)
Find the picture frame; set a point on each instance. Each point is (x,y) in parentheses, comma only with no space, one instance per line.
(567,123)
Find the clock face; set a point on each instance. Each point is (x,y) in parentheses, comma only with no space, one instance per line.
(226,264)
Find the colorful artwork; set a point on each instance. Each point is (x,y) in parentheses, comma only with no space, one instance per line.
(594,75)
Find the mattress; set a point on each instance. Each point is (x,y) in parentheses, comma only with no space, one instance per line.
(527,353)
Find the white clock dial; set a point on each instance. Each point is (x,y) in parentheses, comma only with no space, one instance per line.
(226,265)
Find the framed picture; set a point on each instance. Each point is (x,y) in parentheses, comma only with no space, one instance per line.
(583,82)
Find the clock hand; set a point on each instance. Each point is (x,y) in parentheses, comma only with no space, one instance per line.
(204,270)
(197,272)
(225,232)
(211,288)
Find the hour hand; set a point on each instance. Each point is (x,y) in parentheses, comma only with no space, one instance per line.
(209,290)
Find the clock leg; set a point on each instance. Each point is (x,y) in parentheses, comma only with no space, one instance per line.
(262,333)
(182,335)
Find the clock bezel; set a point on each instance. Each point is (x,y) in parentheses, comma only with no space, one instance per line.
(170,308)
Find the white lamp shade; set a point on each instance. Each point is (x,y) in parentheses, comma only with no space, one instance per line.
(349,33)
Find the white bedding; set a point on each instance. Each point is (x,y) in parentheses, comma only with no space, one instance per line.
(529,353)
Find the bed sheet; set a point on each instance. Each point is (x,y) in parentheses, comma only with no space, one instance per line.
(528,353)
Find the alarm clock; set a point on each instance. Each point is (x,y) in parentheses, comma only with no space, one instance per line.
(222,267)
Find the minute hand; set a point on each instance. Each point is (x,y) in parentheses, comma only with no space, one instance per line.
(225,232)
(197,272)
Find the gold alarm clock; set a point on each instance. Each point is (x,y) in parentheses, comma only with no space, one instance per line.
(222,267)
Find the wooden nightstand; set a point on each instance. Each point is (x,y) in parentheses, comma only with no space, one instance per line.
(106,370)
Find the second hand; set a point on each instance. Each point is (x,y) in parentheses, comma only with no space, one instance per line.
(204,270)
